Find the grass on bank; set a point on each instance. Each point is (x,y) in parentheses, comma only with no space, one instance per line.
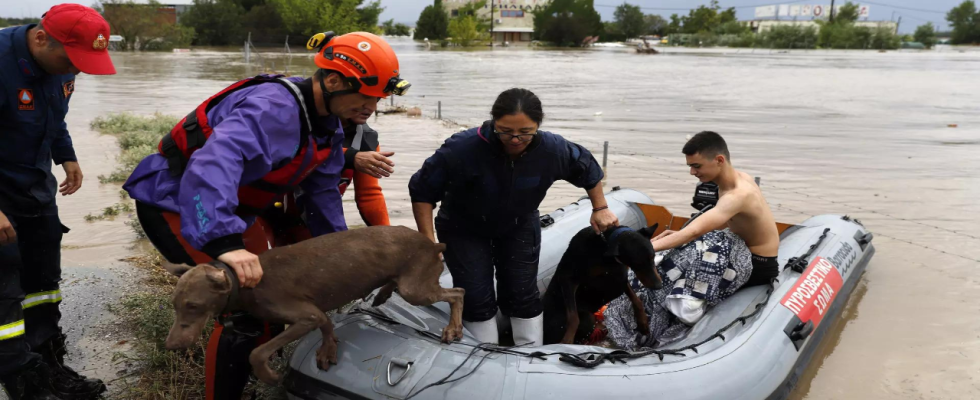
(138,137)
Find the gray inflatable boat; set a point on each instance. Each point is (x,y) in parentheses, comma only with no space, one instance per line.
(754,345)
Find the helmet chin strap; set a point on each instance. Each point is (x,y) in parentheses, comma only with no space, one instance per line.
(327,95)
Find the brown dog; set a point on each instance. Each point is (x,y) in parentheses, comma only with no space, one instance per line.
(303,281)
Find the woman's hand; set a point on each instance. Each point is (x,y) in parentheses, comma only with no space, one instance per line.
(246,266)
(603,220)
(664,234)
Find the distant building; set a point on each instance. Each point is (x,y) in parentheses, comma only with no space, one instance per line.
(170,10)
(764,25)
(513,20)
(806,15)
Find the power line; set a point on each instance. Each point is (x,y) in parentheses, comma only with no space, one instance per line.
(691,8)
(914,17)
(781,3)
(902,8)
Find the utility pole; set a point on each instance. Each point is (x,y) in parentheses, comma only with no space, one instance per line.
(491,23)
(831,11)
(898,24)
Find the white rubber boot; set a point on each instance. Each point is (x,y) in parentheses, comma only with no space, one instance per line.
(529,330)
(483,331)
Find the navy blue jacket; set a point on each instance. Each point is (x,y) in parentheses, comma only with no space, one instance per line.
(33,132)
(485,192)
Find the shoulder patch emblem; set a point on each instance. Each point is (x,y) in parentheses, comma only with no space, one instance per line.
(69,88)
(25,99)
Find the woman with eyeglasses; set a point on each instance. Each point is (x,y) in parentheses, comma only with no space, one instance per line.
(491,180)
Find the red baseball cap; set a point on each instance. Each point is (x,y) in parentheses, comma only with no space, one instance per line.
(85,35)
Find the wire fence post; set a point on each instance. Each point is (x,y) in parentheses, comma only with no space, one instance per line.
(439,108)
(605,155)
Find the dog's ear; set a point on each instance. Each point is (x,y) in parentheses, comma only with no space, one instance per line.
(177,269)
(218,279)
(649,231)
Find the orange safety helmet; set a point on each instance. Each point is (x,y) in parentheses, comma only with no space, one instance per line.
(366,61)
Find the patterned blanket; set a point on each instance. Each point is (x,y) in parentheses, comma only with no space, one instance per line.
(696,276)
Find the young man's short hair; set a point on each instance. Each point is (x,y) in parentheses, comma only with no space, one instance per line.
(708,144)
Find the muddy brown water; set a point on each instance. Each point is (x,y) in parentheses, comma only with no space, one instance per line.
(860,133)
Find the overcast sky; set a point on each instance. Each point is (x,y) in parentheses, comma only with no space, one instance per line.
(913,12)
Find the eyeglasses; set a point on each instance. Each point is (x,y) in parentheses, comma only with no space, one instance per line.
(527,137)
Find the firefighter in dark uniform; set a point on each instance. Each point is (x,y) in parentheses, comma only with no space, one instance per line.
(38,64)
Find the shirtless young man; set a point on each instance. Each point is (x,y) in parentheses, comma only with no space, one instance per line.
(741,207)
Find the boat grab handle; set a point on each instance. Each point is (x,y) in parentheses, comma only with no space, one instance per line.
(401,363)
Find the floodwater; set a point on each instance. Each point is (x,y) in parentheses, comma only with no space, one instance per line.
(890,138)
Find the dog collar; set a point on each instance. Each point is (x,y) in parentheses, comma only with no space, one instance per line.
(616,232)
(233,303)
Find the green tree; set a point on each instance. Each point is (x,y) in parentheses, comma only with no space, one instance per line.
(727,16)
(368,16)
(217,22)
(884,38)
(790,37)
(567,22)
(732,28)
(705,19)
(433,23)
(675,24)
(655,25)
(305,18)
(629,19)
(926,34)
(462,30)
(965,21)
(611,32)
(849,13)
(143,27)
(701,19)
(5,22)
(266,26)
(392,29)
(482,22)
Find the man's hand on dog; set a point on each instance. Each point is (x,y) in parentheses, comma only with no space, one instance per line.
(375,163)
(246,266)
(603,220)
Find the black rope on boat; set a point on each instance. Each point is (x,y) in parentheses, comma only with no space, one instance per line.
(799,264)
(593,359)
(447,379)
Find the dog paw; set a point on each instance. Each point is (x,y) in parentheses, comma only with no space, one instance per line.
(452,333)
(326,355)
(260,367)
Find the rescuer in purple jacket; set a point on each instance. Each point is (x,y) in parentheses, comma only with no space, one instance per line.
(227,171)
